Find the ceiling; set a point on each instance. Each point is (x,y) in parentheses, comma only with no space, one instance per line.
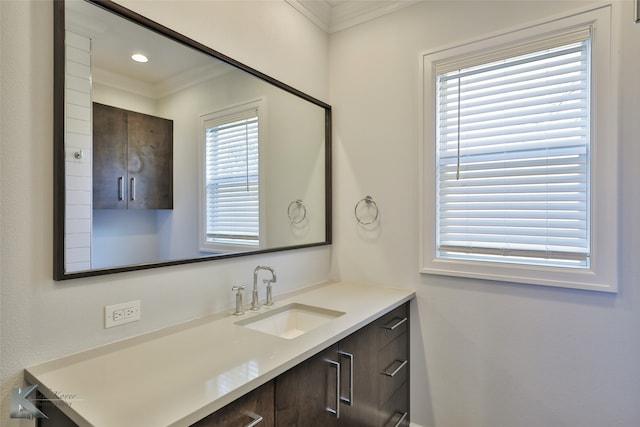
(171,66)
(336,15)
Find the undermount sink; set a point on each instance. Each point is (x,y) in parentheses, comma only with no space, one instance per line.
(290,321)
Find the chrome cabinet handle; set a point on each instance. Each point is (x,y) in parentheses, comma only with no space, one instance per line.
(394,323)
(402,418)
(121,188)
(132,189)
(349,400)
(257,419)
(329,408)
(395,371)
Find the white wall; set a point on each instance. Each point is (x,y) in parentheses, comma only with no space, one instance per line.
(42,319)
(485,354)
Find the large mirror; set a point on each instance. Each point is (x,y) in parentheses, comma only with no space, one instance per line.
(187,157)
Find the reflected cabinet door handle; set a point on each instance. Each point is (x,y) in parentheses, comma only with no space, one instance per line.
(132,189)
(257,419)
(121,188)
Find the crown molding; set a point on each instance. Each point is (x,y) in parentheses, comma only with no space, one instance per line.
(346,14)
(163,88)
(318,12)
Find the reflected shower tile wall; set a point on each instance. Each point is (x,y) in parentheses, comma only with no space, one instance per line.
(78,183)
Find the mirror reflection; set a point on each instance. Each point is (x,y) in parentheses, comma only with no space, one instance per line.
(172,155)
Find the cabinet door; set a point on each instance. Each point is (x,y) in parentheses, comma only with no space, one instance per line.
(358,362)
(307,395)
(150,162)
(109,157)
(253,409)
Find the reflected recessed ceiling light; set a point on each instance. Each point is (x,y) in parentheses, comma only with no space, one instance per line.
(138,57)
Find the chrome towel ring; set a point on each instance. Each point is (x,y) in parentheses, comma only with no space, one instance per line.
(297,211)
(366,211)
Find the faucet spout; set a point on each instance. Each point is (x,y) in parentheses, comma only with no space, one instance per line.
(255,305)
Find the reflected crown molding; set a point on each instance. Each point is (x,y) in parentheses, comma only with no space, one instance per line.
(336,15)
(158,90)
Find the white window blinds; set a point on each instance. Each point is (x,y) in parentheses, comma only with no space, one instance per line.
(513,158)
(232,179)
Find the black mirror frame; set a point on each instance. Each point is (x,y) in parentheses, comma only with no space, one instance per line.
(59,149)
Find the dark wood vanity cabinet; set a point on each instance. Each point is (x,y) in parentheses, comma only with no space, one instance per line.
(132,160)
(361,381)
(371,367)
(392,343)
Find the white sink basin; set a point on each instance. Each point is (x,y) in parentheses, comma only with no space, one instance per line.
(291,320)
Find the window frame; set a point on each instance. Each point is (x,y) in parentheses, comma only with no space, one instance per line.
(601,275)
(259,105)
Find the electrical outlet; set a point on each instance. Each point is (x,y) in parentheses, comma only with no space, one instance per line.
(119,314)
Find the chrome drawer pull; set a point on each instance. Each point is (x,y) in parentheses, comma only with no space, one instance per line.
(349,400)
(391,325)
(257,419)
(402,418)
(395,371)
(328,408)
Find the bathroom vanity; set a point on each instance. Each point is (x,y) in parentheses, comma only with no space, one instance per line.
(335,354)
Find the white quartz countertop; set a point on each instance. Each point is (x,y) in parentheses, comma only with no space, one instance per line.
(178,375)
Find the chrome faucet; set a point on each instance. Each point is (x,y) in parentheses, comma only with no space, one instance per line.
(255,305)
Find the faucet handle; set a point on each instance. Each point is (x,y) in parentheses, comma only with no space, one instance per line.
(239,309)
(269,300)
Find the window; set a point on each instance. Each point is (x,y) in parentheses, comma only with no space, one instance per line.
(518,145)
(513,154)
(231,187)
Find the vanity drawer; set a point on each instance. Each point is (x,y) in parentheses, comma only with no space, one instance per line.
(393,367)
(391,325)
(395,412)
(254,408)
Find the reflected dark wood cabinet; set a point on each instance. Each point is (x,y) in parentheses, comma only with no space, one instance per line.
(132,160)
(361,381)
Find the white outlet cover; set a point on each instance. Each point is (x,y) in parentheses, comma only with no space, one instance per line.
(131,313)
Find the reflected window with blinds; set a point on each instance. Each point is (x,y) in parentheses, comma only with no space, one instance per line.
(513,157)
(232,179)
